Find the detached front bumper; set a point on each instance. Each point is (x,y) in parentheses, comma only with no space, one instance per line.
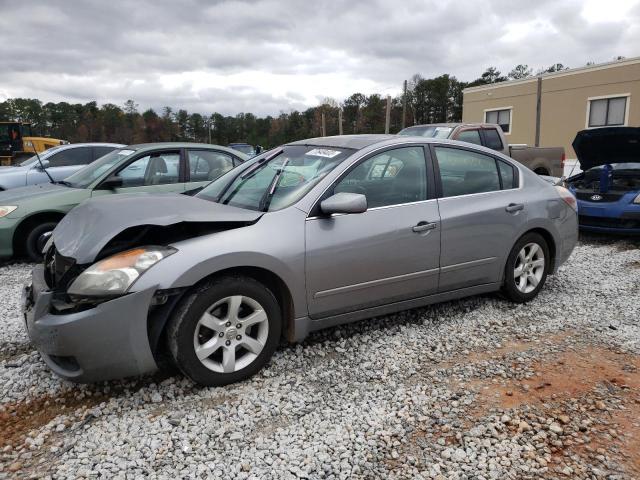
(105,342)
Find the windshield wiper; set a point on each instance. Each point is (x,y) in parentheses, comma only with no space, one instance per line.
(246,175)
(273,186)
(64,182)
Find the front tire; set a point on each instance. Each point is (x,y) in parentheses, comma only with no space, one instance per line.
(527,268)
(36,239)
(224,331)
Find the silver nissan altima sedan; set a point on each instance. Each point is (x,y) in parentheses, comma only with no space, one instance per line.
(309,235)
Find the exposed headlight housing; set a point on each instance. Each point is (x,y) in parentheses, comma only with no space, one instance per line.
(6,210)
(116,274)
(637,199)
(28,143)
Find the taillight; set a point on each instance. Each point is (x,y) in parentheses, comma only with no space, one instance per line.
(562,160)
(568,197)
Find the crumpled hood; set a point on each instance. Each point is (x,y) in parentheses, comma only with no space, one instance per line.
(86,229)
(600,146)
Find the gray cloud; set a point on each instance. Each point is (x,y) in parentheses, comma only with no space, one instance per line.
(267,56)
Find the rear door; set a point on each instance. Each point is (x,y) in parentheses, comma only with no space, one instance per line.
(482,210)
(388,253)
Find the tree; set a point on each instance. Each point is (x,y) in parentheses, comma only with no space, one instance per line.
(520,71)
(490,75)
(556,67)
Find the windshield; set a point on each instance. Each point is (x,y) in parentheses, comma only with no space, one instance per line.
(276,179)
(430,131)
(89,174)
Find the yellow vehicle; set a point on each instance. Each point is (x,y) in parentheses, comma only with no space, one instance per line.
(17,142)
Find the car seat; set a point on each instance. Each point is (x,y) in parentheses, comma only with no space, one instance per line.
(157,170)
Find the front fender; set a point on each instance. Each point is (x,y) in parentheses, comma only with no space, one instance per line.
(275,243)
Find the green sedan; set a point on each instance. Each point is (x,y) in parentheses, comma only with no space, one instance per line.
(28,215)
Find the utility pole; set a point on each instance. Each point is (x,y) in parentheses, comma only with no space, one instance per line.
(324,127)
(339,121)
(388,117)
(404,103)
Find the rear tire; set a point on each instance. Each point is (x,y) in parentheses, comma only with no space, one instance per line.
(224,331)
(527,268)
(35,240)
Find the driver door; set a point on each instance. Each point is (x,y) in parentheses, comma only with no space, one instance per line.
(387,254)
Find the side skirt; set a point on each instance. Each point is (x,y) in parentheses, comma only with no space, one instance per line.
(304,325)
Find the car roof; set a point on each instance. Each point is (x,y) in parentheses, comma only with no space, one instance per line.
(89,144)
(356,142)
(205,146)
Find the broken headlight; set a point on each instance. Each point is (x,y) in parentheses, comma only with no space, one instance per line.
(115,274)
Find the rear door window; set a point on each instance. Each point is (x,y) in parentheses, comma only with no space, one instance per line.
(463,172)
(207,165)
(71,156)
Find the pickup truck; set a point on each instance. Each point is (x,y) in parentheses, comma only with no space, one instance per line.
(542,160)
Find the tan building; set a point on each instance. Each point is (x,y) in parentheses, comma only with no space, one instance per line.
(548,110)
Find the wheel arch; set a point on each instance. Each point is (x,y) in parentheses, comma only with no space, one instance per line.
(551,244)
(270,280)
(29,222)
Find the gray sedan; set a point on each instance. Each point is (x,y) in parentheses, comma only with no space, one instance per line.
(306,236)
(60,162)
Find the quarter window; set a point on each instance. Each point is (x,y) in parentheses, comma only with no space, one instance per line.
(207,165)
(470,136)
(463,172)
(506,175)
(156,169)
(390,178)
(500,117)
(607,111)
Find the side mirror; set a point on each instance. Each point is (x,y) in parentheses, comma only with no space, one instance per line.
(259,149)
(344,202)
(110,183)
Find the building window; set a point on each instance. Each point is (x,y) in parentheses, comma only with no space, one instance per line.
(501,117)
(607,111)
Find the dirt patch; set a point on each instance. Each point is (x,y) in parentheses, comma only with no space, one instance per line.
(571,374)
(594,390)
(18,419)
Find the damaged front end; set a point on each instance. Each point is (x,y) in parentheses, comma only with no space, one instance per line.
(83,312)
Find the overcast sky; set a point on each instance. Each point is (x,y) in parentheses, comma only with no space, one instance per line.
(276,55)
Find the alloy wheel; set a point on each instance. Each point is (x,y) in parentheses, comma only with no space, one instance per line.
(529,267)
(231,333)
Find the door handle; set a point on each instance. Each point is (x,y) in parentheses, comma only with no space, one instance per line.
(514,207)
(424,226)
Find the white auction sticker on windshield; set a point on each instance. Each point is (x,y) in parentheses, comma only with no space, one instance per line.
(323,152)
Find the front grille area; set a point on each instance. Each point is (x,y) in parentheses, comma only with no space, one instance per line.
(606,197)
(608,222)
(59,270)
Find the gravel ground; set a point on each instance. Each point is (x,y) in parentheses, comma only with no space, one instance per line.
(472,389)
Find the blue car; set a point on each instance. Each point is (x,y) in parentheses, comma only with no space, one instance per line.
(608,189)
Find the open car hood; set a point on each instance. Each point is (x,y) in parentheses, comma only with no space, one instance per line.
(86,229)
(600,146)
